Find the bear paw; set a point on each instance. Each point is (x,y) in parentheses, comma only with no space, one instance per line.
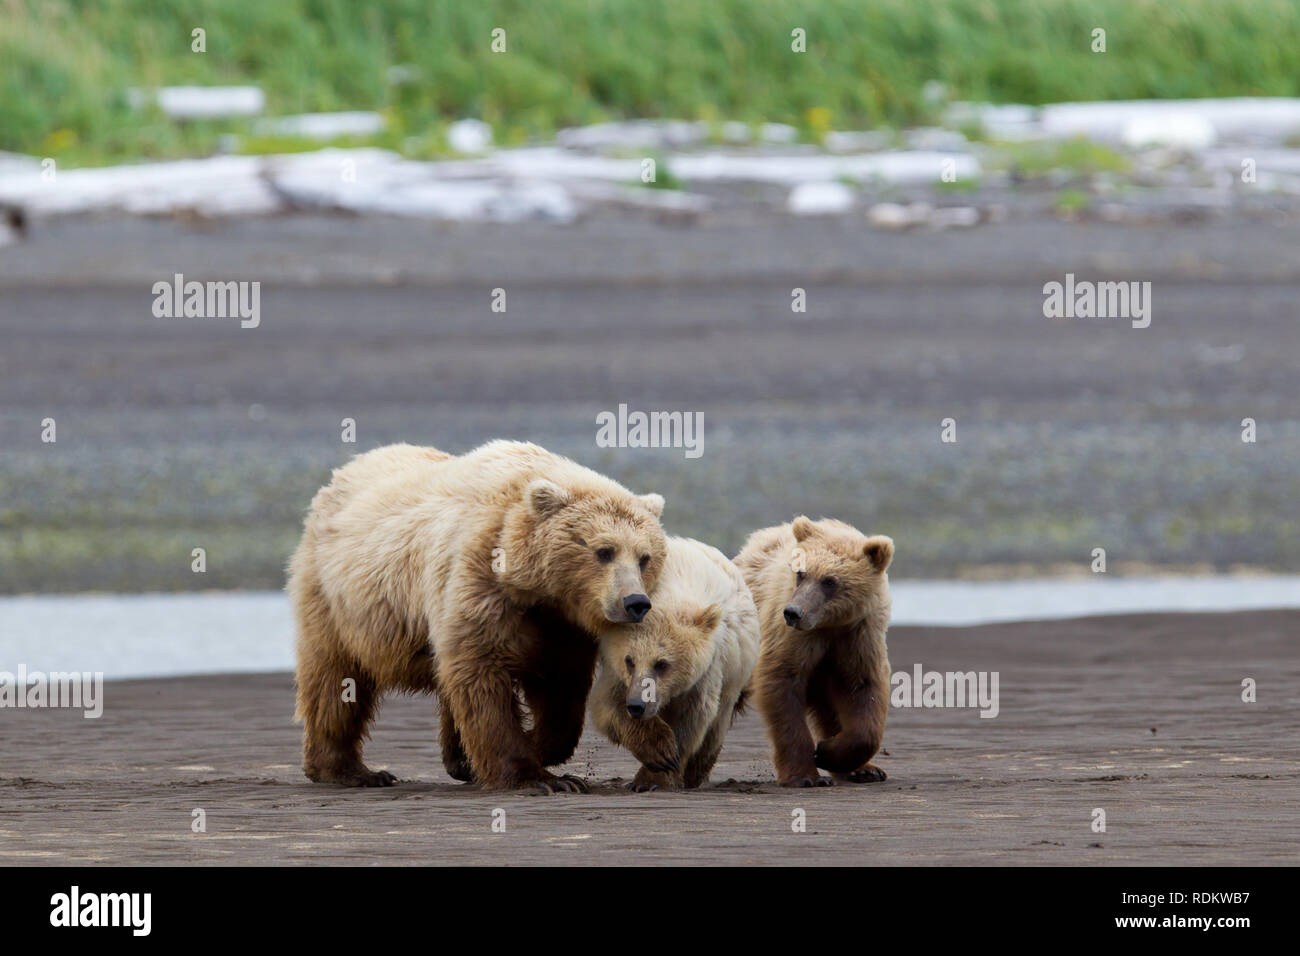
(359,776)
(814,781)
(868,774)
(647,781)
(842,754)
(459,770)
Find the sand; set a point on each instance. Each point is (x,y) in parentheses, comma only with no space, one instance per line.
(1140,716)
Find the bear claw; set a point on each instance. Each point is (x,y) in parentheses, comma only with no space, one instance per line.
(564,784)
(575,784)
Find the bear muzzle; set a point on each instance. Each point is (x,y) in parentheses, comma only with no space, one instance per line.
(639,708)
(802,618)
(636,606)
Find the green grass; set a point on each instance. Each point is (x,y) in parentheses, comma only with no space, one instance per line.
(64,66)
(1078,155)
(1071,202)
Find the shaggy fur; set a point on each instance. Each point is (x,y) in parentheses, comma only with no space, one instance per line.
(823,607)
(669,687)
(483,577)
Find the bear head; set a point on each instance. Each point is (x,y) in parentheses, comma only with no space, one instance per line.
(593,553)
(836,574)
(663,656)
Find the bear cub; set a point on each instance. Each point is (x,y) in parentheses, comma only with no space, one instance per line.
(669,687)
(823,607)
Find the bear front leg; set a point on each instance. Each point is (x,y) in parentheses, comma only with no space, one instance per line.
(700,763)
(556,694)
(652,742)
(860,714)
(479,692)
(785,712)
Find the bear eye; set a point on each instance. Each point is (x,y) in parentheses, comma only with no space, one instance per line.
(645,560)
(629,662)
(604,555)
(799,575)
(661,666)
(829,584)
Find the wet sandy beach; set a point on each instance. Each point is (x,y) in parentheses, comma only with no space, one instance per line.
(1140,716)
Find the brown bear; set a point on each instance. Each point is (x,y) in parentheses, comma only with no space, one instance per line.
(483,577)
(669,687)
(823,607)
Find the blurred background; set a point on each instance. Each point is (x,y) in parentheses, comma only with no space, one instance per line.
(920,169)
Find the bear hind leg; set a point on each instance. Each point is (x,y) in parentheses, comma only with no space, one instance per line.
(454,760)
(335,724)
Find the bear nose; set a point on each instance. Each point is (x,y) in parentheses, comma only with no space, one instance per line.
(635,708)
(793,614)
(636,606)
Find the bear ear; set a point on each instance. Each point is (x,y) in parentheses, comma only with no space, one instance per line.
(709,619)
(879,550)
(802,527)
(545,498)
(654,504)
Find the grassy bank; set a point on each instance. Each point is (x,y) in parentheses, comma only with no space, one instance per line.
(66,66)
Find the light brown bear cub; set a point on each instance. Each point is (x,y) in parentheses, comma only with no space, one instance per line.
(669,687)
(823,607)
(485,577)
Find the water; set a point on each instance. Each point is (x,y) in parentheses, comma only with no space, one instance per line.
(159,635)
(148,635)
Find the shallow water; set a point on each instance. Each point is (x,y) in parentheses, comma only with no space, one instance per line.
(156,635)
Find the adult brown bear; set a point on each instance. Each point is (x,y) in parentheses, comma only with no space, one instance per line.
(483,577)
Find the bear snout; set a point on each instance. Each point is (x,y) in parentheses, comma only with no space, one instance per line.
(641,709)
(640,705)
(793,614)
(636,606)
